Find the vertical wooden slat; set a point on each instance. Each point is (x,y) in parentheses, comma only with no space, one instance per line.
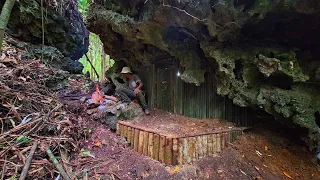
(226,139)
(192,148)
(200,148)
(140,146)
(145,143)
(194,154)
(118,129)
(214,143)
(180,149)
(129,135)
(218,142)
(136,140)
(175,152)
(232,136)
(186,157)
(162,149)
(205,145)
(132,137)
(125,131)
(121,129)
(150,148)
(223,141)
(156,146)
(168,151)
(210,150)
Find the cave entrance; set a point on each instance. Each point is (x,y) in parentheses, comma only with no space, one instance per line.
(96,62)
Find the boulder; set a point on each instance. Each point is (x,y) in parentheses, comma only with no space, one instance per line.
(63,29)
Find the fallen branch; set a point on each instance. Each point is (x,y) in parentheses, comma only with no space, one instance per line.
(91,161)
(28,162)
(57,165)
(4,167)
(18,128)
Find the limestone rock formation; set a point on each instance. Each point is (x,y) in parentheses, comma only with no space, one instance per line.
(63,26)
(265,53)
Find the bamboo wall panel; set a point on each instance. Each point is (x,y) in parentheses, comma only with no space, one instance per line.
(168,92)
(177,150)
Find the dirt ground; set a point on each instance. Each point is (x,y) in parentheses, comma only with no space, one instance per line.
(176,125)
(259,154)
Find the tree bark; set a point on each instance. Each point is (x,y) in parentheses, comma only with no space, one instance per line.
(103,68)
(4,18)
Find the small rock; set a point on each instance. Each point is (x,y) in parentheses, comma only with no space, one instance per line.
(220,171)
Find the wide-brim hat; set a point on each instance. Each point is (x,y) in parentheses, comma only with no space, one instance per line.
(126,70)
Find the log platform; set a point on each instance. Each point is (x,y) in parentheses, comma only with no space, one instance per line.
(174,140)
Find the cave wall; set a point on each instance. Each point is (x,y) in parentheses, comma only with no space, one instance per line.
(64,29)
(264,53)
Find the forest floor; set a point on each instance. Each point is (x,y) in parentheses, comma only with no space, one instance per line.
(281,158)
(31,112)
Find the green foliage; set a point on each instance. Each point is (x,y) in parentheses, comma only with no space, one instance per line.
(87,131)
(22,140)
(86,153)
(97,57)
(83,6)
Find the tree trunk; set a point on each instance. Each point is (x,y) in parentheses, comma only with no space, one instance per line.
(4,18)
(103,68)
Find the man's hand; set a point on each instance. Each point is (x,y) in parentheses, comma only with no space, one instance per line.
(136,91)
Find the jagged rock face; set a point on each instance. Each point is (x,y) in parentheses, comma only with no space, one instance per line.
(64,27)
(265,53)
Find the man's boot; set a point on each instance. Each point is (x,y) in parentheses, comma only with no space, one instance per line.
(147,112)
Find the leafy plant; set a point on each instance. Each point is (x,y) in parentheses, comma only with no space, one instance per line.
(83,6)
(99,59)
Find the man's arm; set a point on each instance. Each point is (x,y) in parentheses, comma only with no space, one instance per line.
(138,80)
(140,85)
(138,89)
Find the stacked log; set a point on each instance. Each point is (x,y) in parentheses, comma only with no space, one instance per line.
(173,150)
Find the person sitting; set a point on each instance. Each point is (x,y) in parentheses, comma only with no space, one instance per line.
(132,89)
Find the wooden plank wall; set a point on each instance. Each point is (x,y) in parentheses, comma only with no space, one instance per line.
(176,151)
(165,90)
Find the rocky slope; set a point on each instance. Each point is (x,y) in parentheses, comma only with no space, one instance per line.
(63,29)
(265,53)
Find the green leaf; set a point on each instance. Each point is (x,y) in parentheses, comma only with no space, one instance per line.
(12,179)
(22,140)
(86,153)
(88,131)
